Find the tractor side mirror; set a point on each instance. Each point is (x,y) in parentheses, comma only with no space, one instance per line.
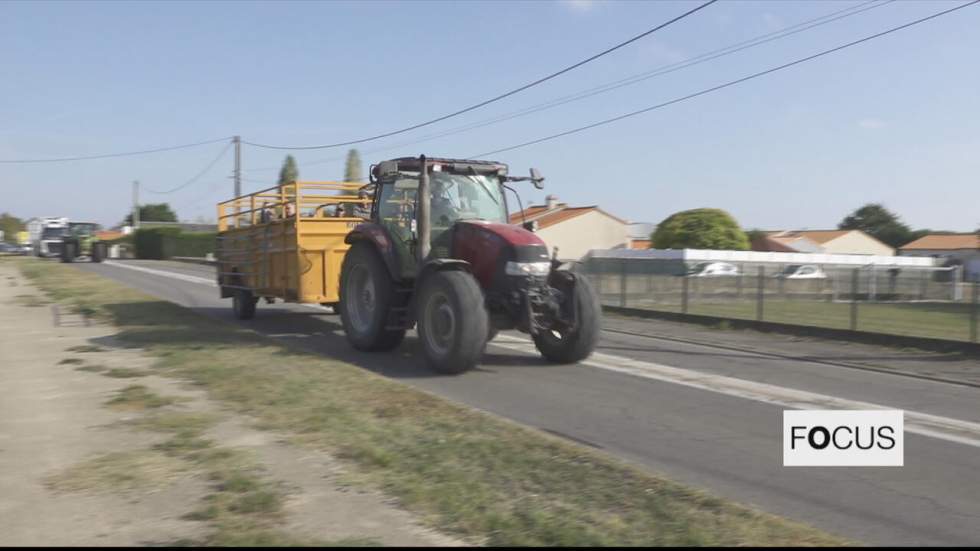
(531,226)
(537,178)
(387,168)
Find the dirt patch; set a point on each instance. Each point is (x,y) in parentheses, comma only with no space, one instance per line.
(88,459)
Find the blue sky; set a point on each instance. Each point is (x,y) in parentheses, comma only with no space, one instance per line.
(893,121)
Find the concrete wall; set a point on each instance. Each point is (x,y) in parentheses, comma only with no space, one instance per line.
(857,243)
(577,236)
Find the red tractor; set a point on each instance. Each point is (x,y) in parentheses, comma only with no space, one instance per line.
(439,253)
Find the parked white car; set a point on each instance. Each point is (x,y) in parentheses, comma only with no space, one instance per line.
(710,269)
(802,271)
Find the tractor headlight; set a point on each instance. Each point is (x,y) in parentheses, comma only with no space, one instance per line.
(528,268)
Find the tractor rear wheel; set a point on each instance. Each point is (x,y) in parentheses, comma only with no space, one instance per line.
(569,346)
(452,321)
(243,304)
(67,251)
(367,295)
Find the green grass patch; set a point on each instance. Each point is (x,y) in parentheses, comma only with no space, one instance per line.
(462,471)
(175,422)
(91,368)
(85,348)
(71,361)
(120,471)
(138,398)
(125,373)
(32,301)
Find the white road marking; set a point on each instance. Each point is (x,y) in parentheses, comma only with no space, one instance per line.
(173,275)
(944,428)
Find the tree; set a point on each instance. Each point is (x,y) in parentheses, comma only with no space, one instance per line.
(700,229)
(9,226)
(352,170)
(153,212)
(882,224)
(289,173)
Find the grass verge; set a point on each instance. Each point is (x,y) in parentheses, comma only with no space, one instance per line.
(119,471)
(462,471)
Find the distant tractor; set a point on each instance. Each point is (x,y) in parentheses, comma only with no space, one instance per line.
(80,241)
(427,244)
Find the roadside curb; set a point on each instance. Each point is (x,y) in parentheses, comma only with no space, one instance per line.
(767,353)
(866,337)
(194,260)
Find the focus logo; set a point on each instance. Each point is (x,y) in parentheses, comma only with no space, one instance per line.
(822,438)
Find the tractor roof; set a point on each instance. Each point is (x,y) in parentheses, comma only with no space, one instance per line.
(411,164)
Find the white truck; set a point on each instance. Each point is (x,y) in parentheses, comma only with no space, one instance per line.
(46,234)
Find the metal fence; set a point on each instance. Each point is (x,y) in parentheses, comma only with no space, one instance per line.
(913,301)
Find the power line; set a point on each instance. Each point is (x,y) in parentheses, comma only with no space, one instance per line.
(198,175)
(496,98)
(108,155)
(725,85)
(633,79)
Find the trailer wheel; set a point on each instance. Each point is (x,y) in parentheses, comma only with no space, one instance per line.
(452,321)
(243,303)
(67,251)
(98,252)
(367,295)
(562,346)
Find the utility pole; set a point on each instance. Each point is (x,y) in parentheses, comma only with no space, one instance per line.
(238,165)
(136,204)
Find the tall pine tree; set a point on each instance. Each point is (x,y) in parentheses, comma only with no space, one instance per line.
(289,173)
(352,170)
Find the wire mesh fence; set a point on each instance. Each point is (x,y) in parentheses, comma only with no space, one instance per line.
(914,301)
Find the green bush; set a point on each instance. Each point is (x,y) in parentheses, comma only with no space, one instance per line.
(163,243)
(700,229)
(197,244)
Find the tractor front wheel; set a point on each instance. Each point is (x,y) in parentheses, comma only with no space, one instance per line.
(452,321)
(367,295)
(563,345)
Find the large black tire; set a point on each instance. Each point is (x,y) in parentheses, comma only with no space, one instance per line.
(243,304)
(98,252)
(453,324)
(367,295)
(578,344)
(67,251)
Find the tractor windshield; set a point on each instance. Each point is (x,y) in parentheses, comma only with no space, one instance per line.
(466,197)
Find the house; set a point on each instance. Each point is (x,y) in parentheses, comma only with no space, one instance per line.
(574,230)
(639,234)
(821,241)
(956,248)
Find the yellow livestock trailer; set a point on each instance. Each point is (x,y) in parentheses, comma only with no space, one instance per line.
(287,242)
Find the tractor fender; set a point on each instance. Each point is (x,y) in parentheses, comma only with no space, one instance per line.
(378,236)
(432,266)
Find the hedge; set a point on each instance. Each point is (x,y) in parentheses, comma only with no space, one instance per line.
(163,243)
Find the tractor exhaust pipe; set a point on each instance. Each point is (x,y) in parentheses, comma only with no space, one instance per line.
(423,203)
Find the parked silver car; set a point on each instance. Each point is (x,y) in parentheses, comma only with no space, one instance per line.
(711,269)
(802,271)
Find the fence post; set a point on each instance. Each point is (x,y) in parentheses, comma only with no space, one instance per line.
(738,281)
(760,293)
(975,311)
(957,278)
(854,298)
(622,283)
(684,292)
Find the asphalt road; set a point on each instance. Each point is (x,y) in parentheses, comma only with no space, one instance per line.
(705,416)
